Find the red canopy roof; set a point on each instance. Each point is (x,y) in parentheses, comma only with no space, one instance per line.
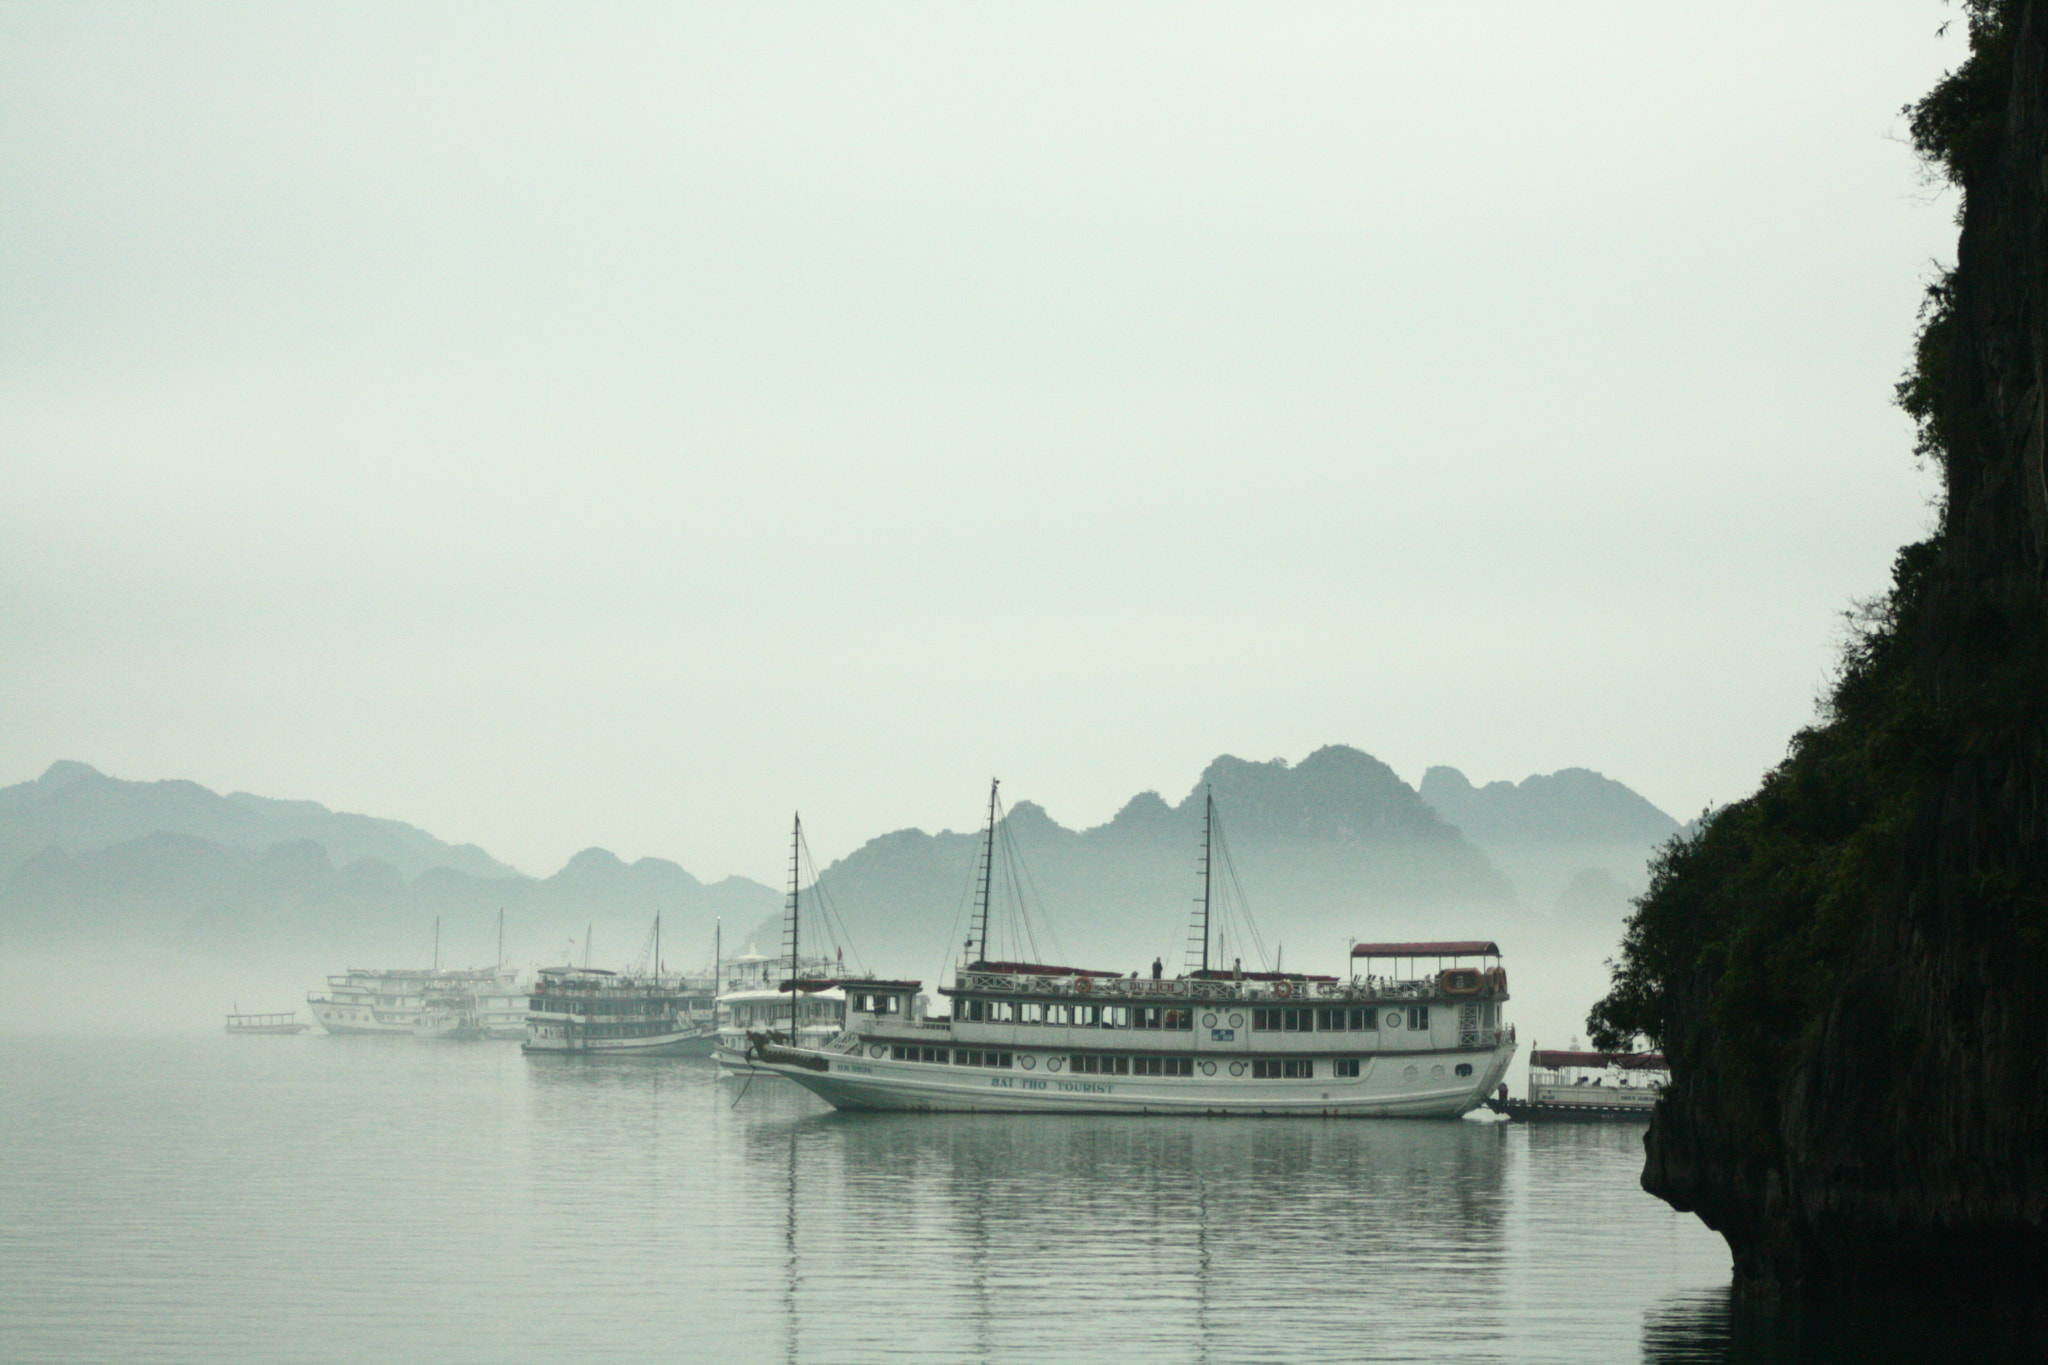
(1473,947)
(1627,1061)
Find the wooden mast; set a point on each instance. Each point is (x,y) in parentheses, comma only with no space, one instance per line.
(796,840)
(988,874)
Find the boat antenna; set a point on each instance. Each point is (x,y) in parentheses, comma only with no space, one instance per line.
(796,841)
(501,936)
(988,872)
(437,945)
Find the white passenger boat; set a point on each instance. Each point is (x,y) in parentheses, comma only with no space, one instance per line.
(1415,1030)
(1575,1086)
(430,1001)
(791,998)
(474,1002)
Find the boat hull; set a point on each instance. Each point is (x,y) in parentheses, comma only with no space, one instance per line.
(1381,1090)
(665,1045)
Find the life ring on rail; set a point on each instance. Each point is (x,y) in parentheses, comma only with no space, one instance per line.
(1082,985)
(1461,981)
(1497,977)
(1283,990)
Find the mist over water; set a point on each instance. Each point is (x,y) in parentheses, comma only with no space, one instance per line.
(216,1198)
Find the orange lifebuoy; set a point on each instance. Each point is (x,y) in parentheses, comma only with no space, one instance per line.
(1461,981)
(1497,978)
(1083,985)
(1284,990)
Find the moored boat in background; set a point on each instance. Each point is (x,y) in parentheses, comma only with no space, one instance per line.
(285,1021)
(1589,1087)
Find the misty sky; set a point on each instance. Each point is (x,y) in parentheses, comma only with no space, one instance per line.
(557,425)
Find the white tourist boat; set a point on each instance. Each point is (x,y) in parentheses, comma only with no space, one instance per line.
(1414,1030)
(486,1001)
(791,998)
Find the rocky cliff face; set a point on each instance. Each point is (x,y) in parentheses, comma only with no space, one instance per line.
(1850,969)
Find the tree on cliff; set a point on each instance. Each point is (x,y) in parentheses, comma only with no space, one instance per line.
(1846,968)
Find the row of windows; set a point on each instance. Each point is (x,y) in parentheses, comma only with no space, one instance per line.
(1334,1019)
(1088,1064)
(1076,1016)
(1094,1064)
(965,1056)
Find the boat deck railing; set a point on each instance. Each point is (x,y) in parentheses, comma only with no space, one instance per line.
(1125,988)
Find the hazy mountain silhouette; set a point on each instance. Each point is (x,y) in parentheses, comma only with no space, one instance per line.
(81,810)
(1573,842)
(1331,849)
(1321,852)
(171,863)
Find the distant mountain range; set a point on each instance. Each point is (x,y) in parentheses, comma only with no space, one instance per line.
(1332,848)
(86,858)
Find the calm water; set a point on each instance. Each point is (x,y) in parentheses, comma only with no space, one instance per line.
(333,1199)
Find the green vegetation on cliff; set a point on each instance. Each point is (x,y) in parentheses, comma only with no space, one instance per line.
(1845,967)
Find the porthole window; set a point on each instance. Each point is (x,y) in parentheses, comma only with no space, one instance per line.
(1411,1072)
(1052,1064)
(1237,1068)
(1209,1020)
(1208,1068)
(1393,1018)
(1464,1068)
(1029,1061)
(1437,1072)
(875,1050)
(1237,1021)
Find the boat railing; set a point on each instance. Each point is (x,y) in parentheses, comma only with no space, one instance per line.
(1357,988)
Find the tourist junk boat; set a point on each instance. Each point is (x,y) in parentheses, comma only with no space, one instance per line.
(590,1011)
(1033,1038)
(286,1021)
(1588,1087)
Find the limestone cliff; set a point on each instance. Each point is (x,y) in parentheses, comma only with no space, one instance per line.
(1849,969)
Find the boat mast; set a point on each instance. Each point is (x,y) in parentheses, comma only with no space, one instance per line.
(796,840)
(1208,828)
(988,875)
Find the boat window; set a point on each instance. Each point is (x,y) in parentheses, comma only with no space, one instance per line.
(1283,1068)
(968,1056)
(1031,1012)
(1002,1011)
(1116,1016)
(1418,1016)
(1464,1068)
(1088,1016)
(1346,1066)
(1059,1014)
(911,1052)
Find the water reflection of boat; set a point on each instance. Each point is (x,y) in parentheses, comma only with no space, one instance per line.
(1589,1087)
(287,1021)
(1028,1037)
